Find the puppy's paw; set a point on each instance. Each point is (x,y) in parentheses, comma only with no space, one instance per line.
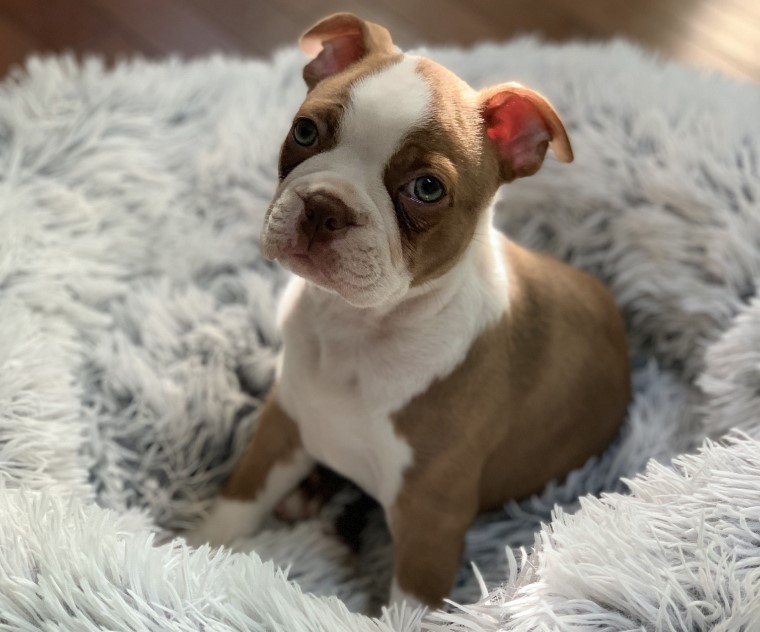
(229,520)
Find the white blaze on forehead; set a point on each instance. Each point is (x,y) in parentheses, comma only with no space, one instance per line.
(383,109)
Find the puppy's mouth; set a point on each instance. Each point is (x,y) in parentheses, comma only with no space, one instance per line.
(327,243)
(306,264)
(317,264)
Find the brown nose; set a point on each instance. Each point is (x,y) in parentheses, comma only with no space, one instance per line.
(324,217)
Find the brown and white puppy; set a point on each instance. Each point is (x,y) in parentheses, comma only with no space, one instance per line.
(438,365)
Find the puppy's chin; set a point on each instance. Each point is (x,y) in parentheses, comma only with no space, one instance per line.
(325,272)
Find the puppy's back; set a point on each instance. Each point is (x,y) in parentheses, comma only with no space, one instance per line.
(565,371)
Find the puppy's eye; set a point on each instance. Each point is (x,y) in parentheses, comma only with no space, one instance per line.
(425,189)
(305,132)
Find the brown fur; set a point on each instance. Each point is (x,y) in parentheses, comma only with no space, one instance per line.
(450,147)
(275,441)
(532,400)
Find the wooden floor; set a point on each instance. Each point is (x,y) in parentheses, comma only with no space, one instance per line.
(713,34)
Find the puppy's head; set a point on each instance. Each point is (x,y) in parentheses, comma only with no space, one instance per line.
(391,161)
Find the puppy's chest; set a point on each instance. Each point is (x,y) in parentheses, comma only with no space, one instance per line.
(342,393)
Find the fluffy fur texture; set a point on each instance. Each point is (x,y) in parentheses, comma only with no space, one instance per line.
(138,338)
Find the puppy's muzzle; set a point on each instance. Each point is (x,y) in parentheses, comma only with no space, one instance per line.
(325,218)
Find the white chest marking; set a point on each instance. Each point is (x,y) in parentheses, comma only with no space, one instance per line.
(329,384)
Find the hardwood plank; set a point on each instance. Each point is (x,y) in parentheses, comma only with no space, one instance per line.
(720,28)
(543,18)
(693,31)
(64,24)
(748,10)
(648,24)
(721,34)
(304,14)
(450,22)
(167,26)
(258,27)
(15,45)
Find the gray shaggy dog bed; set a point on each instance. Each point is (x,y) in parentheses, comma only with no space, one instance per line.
(137,341)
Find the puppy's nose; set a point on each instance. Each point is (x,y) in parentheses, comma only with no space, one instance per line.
(324,217)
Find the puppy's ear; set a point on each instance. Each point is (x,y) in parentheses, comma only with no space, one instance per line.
(523,125)
(339,41)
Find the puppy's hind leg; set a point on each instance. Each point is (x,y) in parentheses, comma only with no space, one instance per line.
(273,464)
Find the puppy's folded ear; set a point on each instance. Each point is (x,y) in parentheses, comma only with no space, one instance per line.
(523,125)
(339,41)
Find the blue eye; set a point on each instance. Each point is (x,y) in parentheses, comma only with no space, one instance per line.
(426,189)
(305,132)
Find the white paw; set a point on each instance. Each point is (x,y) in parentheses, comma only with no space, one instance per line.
(229,520)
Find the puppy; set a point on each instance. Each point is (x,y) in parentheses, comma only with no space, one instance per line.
(438,365)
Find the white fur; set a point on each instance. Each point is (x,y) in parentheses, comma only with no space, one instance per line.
(346,370)
(232,519)
(228,521)
(382,109)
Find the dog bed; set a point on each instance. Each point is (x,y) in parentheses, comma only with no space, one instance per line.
(137,340)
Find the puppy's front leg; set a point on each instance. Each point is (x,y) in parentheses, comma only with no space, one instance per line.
(428,523)
(273,464)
